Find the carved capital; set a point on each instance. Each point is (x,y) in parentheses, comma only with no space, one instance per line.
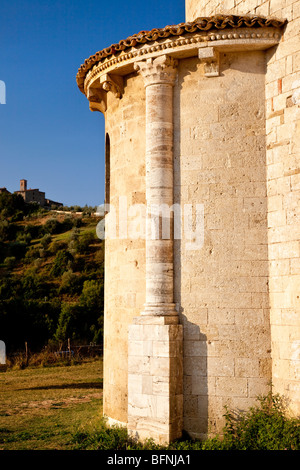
(161,69)
(210,57)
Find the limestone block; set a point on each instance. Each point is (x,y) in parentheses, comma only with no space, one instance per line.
(258,387)
(295,266)
(158,395)
(203,386)
(220,367)
(247,367)
(235,387)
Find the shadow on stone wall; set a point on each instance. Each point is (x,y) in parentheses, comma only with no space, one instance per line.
(195,386)
(221,291)
(195,380)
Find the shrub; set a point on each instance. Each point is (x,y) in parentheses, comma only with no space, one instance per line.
(32,253)
(10,262)
(264,427)
(46,240)
(52,226)
(84,242)
(24,237)
(70,283)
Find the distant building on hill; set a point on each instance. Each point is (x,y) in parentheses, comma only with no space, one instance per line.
(34,195)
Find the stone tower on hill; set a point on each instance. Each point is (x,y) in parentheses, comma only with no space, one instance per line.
(202,295)
(35,195)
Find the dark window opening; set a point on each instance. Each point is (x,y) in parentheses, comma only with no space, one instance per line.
(107,169)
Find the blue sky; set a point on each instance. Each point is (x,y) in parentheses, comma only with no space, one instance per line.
(48,135)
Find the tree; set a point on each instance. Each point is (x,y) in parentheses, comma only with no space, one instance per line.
(11,204)
(62,262)
(46,240)
(84,242)
(92,296)
(4,228)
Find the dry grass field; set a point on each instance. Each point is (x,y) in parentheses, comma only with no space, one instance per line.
(42,407)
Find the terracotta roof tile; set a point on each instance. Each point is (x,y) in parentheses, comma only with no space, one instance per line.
(200,24)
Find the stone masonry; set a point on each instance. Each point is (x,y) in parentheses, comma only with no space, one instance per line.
(201,118)
(282,92)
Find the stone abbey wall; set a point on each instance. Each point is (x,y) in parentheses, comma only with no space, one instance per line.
(222,288)
(206,117)
(124,258)
(276,8)
(282,91)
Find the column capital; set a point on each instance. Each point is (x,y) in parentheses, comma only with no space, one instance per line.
(159,70)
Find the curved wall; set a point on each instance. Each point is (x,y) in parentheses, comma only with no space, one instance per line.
(222,287)
(124,256)
(282,91)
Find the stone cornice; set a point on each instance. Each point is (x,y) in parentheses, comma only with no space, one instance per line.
(210,29)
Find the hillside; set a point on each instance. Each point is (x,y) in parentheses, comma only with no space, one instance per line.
(51,276)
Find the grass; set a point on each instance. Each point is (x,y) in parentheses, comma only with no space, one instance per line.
(42,408)
(265,426)
(59,407)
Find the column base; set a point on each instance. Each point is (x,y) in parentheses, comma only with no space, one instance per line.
(155,378)
(159,309)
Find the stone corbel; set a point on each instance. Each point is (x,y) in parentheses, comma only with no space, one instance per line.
(113,83)
(210,57)
(97,99)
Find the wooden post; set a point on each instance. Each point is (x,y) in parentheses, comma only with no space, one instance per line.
(26,353)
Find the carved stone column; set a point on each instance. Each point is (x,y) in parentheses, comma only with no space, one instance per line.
(159,78)
(155,397)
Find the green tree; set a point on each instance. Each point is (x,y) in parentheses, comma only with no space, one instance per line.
(52,226)
(67,320)
(85,241)
(92,296)
(70,283)
(34,286)
(91,300)
(11,203)
(46,240)
(63,261)
(4,228)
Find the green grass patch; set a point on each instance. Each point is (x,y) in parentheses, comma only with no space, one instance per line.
(42,408)
(60,408)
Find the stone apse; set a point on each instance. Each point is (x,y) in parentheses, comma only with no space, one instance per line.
(201,118)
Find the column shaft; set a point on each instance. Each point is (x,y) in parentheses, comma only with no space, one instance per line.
(155,369)
(159,80)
